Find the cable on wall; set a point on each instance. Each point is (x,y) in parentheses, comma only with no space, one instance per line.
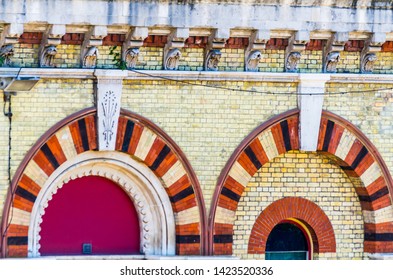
(256,91)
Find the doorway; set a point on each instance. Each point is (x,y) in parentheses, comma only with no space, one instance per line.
(288,241)
(90,215)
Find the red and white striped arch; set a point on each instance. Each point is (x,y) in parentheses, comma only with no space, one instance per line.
(338,139)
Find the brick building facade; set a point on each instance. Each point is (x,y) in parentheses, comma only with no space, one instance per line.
(217,128)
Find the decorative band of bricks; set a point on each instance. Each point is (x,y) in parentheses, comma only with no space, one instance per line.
(307,212)
(340,140)
(137,137)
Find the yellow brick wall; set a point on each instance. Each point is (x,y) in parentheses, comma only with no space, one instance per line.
(68,56)
(272,61)
(311,62)
(105,59)
(207,124)
(384,63)
(150,58)
(311,176)
(231,60)
(3,157)
(25,55)
(34,113)
(371,112)
(349,62)
(192,59)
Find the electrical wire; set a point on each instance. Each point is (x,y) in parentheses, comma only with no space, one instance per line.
(256,91)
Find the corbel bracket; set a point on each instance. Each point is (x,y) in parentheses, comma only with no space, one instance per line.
(331,51)
(215,43)
(253,54)
(89,50)
(134,40)
(296,44)
(8,38)
(172,54)
(368,54)
(48,48)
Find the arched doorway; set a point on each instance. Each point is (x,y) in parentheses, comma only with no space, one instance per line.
(147,165)
(343,144)
(288,241)
(80,219)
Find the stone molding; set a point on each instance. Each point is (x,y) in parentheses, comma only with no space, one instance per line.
(59,73)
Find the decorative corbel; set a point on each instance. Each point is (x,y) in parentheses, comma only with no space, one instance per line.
(215,43)
(89,51)
(296,44)
(6,53)
(134,40)
(331,51)
(253,54)
(50,40)
(172,53)
(368,54)
(8,38)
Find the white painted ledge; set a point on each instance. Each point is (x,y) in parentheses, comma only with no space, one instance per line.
(77,73)
(388,256)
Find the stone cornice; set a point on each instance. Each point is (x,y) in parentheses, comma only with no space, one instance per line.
(309,15)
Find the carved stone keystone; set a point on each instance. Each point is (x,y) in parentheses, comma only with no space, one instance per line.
(108,102)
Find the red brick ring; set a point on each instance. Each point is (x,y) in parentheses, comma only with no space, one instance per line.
(303,210)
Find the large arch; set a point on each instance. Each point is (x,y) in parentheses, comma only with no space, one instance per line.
(69,142)
(338,139)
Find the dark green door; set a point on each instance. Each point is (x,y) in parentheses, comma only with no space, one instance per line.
(286,242)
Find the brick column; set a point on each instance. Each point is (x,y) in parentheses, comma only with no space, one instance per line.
(310,101)
(108,102)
